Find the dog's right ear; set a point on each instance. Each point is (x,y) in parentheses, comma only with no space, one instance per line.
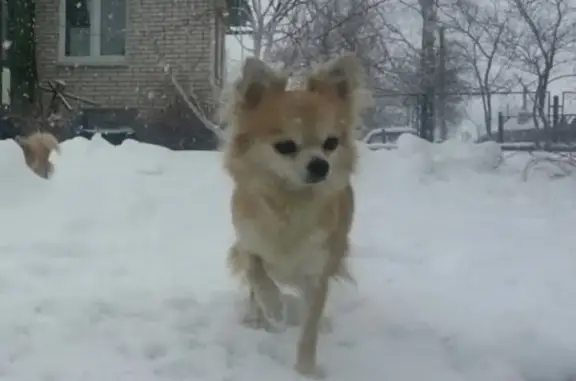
(256,80)
(343,76)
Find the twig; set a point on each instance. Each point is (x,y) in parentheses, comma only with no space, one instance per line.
(565,162)
(208,123)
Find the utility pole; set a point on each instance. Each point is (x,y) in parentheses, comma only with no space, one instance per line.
(3,20)
(428,69)
(442,84)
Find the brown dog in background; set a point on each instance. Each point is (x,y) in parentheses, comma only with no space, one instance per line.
(37,148)
(291,155)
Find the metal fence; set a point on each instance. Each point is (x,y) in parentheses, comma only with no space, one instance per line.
(513,120)
(552,129)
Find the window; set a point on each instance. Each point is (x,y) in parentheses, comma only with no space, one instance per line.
(93,31)
(219,50)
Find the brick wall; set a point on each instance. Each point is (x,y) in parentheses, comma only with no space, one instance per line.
(176,32)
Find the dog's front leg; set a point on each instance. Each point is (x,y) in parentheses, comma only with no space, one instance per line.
(308,342)
(265,298)
(309,286)
(316,302)
(297,307)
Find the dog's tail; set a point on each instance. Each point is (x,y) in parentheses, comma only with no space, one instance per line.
(37,149)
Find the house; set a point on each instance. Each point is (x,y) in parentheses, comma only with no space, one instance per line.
(116,53)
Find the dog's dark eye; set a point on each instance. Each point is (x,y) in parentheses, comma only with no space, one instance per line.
(330,144)
(286,147)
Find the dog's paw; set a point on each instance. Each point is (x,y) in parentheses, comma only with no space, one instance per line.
(325,325)
(310,370)
(253,321)
(254,318)
(272,307)
(262,323)
(274,313)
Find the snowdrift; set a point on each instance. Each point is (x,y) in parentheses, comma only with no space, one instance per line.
(115,270)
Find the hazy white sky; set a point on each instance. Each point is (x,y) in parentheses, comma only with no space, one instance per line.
(235,54)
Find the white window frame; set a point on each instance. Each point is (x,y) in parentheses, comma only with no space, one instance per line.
(5,70)
(218,51)
(95,24)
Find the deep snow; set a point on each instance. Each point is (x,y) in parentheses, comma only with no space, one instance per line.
(115,270)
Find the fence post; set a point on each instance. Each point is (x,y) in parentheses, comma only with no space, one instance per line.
(500,127)
(555,117)
(427,116)
(423,108)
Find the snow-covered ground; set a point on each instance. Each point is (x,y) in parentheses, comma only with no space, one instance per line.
(115,270)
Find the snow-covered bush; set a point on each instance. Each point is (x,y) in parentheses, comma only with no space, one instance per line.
(421,157)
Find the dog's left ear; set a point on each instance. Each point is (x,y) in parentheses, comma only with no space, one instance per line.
(341,77)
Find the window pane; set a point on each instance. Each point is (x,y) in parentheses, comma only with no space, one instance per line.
(77,28)
(113,24)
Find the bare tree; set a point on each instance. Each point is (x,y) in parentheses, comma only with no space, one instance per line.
(544,43)
(265,20)
(399,54)
(320,29)
(420,64)
(324,28)
(481,31)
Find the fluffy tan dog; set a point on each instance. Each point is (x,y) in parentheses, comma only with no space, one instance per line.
(291,154)
(37,148)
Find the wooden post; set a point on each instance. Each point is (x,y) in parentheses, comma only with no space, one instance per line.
(500,127)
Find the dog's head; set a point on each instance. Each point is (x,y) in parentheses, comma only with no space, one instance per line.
(295,138)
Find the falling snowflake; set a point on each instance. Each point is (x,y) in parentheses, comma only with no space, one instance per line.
(6,44)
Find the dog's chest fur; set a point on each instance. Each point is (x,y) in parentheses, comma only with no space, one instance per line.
(289,237)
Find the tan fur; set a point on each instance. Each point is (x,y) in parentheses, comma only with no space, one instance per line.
(289,231)
(37,149)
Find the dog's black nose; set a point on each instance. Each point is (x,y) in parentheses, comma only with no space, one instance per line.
(317,170)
